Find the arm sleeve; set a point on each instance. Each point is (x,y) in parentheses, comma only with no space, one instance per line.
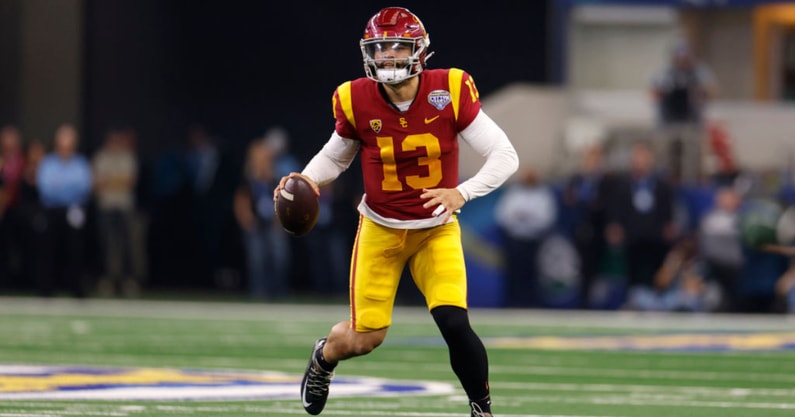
(334,158)
(491,142)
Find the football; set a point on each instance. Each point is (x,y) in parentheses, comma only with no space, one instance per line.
(297,206)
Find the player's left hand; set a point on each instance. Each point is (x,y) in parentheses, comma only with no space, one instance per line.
(444,201)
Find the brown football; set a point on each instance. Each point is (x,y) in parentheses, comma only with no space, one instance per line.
(297,206)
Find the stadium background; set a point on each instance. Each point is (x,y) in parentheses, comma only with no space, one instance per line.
(241,67)
(237,68)
(555,73)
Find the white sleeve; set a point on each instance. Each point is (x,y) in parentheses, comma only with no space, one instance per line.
(491,142)
(334,158)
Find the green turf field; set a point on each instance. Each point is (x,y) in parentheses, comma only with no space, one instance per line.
(241,359)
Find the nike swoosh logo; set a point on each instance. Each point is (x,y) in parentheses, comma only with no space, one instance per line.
(431,120)
(303,398)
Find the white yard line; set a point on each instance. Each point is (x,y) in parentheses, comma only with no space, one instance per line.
(584,372)
(414,414)
(656,389)
(657,400)
(403,314)
(654,402)
(27,415)
(356,411)
(67,412)
(176,310)
(644,373)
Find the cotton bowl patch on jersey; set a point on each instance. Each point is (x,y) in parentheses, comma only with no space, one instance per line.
(163,384)
(439,99)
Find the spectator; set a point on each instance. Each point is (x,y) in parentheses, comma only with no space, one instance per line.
(34,218)
(266,243)
(760,282)
(214,179)
(721,245)
(170,238)
(203,158)
(12,165)
(526,213)
(115,175)
(785,286)
(680,284)
(762,268)
(639,215)
(277,139)
(681,91)
(64,181)
(727,171)
(585,227)
(328,270)
(683,87)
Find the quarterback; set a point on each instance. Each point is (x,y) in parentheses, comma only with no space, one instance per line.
(405,122)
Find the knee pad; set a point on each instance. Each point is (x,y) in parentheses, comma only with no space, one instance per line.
(371,319)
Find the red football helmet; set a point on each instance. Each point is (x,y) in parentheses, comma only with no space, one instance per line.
(394,46)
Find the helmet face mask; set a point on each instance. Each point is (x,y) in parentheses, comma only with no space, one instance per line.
(391,60)
(394,46)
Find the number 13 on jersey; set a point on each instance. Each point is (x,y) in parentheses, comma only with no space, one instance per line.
(433,152)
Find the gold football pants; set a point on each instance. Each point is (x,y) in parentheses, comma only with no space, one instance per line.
(436,261)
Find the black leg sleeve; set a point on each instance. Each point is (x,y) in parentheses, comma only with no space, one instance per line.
(467,354)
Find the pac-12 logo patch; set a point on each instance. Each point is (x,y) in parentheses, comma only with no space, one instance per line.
(376,125)
(155,384)
(439,98)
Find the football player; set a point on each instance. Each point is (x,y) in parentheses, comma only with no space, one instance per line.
(405,122)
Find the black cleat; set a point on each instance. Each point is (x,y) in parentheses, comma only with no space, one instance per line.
(314,386)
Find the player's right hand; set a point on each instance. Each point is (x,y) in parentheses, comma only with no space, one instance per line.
(295,174)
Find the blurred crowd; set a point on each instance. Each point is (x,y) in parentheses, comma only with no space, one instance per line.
(621,231)
(642,224)
(198,215)
(638,237)
(651,221)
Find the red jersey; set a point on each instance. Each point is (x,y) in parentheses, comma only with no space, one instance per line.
(403,153)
